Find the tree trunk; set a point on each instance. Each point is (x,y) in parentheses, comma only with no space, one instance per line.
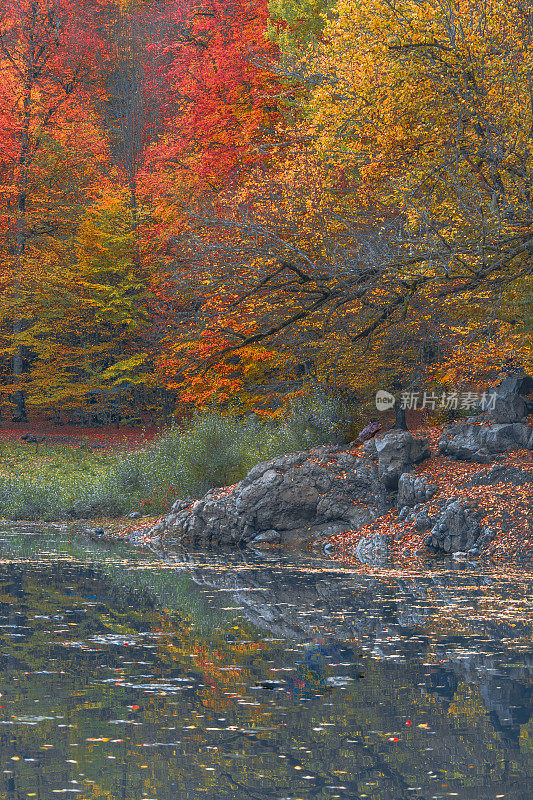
(400,421)
(19,413)
(168,404)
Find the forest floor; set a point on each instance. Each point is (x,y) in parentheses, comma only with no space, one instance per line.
(109,439)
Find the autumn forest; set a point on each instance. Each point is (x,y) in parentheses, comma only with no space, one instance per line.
(223,203)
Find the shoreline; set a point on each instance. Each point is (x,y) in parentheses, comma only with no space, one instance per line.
(400,498)
(504,506)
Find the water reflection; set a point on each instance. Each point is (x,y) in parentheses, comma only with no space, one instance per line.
(247,677)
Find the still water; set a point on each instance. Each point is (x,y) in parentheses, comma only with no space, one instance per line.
(124,676)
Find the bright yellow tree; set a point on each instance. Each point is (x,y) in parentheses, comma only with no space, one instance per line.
(429,106)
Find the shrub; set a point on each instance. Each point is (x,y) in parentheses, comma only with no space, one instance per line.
(27,499)
(213,450)
(130,474)
(104,498)
(322,417)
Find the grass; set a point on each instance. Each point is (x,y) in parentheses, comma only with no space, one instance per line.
(53,482)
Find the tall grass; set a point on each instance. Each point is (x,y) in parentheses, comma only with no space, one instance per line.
(214,450)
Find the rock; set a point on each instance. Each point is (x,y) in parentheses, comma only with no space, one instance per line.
(419,515)
(502,474)
(280,464)
(500,429)
(322,450)
(268,537)
(346,461)
(292,499)
(306,536)
(485,539)
(510,401)
(397,451)
(30,437)
(423,521)
(179,505)
(467,441)
(457,529)
(159,527)
(413,489)
(285,497)
(373,550)
(369,432)
(369,450)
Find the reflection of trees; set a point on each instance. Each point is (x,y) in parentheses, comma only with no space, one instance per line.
(246,725)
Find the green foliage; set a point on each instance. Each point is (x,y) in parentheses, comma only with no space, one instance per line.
(57,482)
(218,450)
(214,450)
(28,499)
(323,417)
(296,24)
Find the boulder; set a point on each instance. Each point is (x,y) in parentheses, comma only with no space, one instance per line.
(422,520)
(458,529)
(373,550)
(307,534)
(181,504)
(502,474)
(292,500)
(511,400)
(413,489)
(369,450)
(268,537)
(469,441)
(419,515)
(397,451)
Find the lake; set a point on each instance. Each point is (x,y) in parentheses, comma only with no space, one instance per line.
(202,676)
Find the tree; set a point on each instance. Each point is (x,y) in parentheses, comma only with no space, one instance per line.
(131,109)
(91,335)
(63,177)
(48,67)
(421,115)
(288,289)
(429,106)
(218,103)
(296,25)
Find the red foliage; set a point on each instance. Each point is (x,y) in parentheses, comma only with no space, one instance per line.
(216,96)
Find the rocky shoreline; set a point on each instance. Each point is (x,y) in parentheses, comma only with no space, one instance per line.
(460,492)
